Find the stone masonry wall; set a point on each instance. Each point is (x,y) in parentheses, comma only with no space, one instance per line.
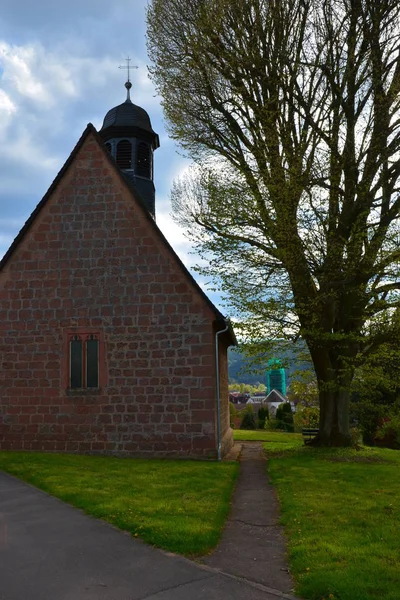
(92,261)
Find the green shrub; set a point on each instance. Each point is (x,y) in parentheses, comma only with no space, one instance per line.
(368,417)
(388,434)
(306,416)
(248,420)
(263,415)
(284,417)
(272,425)
(356,434)
(249,409)
(232,415)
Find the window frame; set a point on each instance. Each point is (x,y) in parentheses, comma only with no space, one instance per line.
(84,334)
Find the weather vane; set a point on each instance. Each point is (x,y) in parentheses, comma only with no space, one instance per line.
(128,84)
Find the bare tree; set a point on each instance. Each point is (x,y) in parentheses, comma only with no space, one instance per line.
(290,108)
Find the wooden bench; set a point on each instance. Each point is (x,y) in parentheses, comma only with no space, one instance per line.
(310,432)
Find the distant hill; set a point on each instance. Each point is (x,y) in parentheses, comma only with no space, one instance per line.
(237,365)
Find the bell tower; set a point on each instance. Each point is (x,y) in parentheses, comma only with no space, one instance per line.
(131,141)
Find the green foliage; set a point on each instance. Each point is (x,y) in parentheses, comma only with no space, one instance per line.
(232,414)
(284,417)
(356,436)
(368,416)
(246,388)
(306,416)
(388,434)
(263,416)
(377,380)
(272,424)
(290,111)
(304,390)
(248,420)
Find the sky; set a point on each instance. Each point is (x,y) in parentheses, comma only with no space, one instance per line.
(59,71)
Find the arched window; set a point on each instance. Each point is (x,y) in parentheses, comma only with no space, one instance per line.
(143,160)
(124,154)
(108,146)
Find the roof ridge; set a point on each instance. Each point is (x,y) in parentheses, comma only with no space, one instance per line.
(25,228)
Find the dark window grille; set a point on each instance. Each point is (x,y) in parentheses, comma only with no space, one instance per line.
(124,154)
(92,362)
(143,160)
(76,362)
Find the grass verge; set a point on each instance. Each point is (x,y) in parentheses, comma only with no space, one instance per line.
(180,506)
(262,435)
(340,509)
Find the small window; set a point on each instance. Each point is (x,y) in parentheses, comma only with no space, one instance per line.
(143,160)
(76,362)
(84,361)
(92,362)
(124,154)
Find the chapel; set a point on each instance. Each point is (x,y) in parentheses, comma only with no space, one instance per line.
(107,343)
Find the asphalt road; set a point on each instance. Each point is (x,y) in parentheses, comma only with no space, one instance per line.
(52,551)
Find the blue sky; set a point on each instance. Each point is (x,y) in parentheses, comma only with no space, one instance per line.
(58,72)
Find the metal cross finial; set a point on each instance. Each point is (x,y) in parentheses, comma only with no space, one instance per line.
(128,84)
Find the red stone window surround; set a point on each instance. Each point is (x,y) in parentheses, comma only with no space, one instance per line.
(84,370)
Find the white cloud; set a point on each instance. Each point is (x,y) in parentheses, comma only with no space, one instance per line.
(58,71)
(6,104)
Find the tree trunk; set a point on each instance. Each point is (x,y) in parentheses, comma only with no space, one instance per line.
(334,428)
(334,381)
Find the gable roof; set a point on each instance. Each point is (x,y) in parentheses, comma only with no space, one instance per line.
(90,129)
(276,396)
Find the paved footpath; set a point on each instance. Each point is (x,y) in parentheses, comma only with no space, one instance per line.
(253,545)
(52,551)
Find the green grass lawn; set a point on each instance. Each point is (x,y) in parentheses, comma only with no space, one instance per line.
(180,506)
(341,510)
(262,435)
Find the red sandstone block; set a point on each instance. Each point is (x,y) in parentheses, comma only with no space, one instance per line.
(177,428)
(143,418)
(203,443)
(105,418)
(175,408)
(96,446)
(196,404)
(169,418)
(23,419)
(84,447)
(193,428)
(131,447)
(48,445)
(36,419)
(60,446)
(202,416)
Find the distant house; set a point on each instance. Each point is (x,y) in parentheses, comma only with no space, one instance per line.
(238,397)
(107,343)
(273,400)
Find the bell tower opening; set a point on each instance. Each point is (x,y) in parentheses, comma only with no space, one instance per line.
(143,160)
(124,154)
